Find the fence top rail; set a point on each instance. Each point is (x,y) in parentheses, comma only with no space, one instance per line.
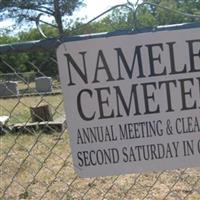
(53,43)
(14,74)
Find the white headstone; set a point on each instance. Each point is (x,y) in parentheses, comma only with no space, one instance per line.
(3,120)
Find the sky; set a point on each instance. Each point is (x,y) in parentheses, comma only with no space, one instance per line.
(96,7)
(91,10)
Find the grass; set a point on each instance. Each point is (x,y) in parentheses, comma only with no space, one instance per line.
(39,166)
(19,108)
(31,87)
(28,156)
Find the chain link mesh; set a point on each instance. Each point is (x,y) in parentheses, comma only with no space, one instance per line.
(36,163)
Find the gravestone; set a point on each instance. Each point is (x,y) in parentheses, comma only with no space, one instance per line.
(3,120)
(43,84)
(8,89)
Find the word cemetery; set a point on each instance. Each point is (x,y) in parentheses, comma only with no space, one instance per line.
(132,101)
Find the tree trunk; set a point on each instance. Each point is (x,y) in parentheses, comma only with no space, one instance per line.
(41,113)
(58,17)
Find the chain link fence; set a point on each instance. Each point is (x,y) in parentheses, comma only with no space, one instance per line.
(35,158)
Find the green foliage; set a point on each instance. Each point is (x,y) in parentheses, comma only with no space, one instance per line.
(34,34)
(148,15)
(175,11)
(145,19)
(24,62)
(165,16)
(105,25)
(5,39)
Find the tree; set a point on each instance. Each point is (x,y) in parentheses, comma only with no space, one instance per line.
(176,11)
(33,33)
(31,10)
(156,12)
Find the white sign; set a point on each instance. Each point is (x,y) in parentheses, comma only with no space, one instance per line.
(132,101)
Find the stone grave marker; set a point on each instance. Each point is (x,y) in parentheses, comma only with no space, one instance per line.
(43,84)
(8,88)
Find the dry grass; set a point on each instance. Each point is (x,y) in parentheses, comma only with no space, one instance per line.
(22,86)
(19,108)
(31,87)
(39,166)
